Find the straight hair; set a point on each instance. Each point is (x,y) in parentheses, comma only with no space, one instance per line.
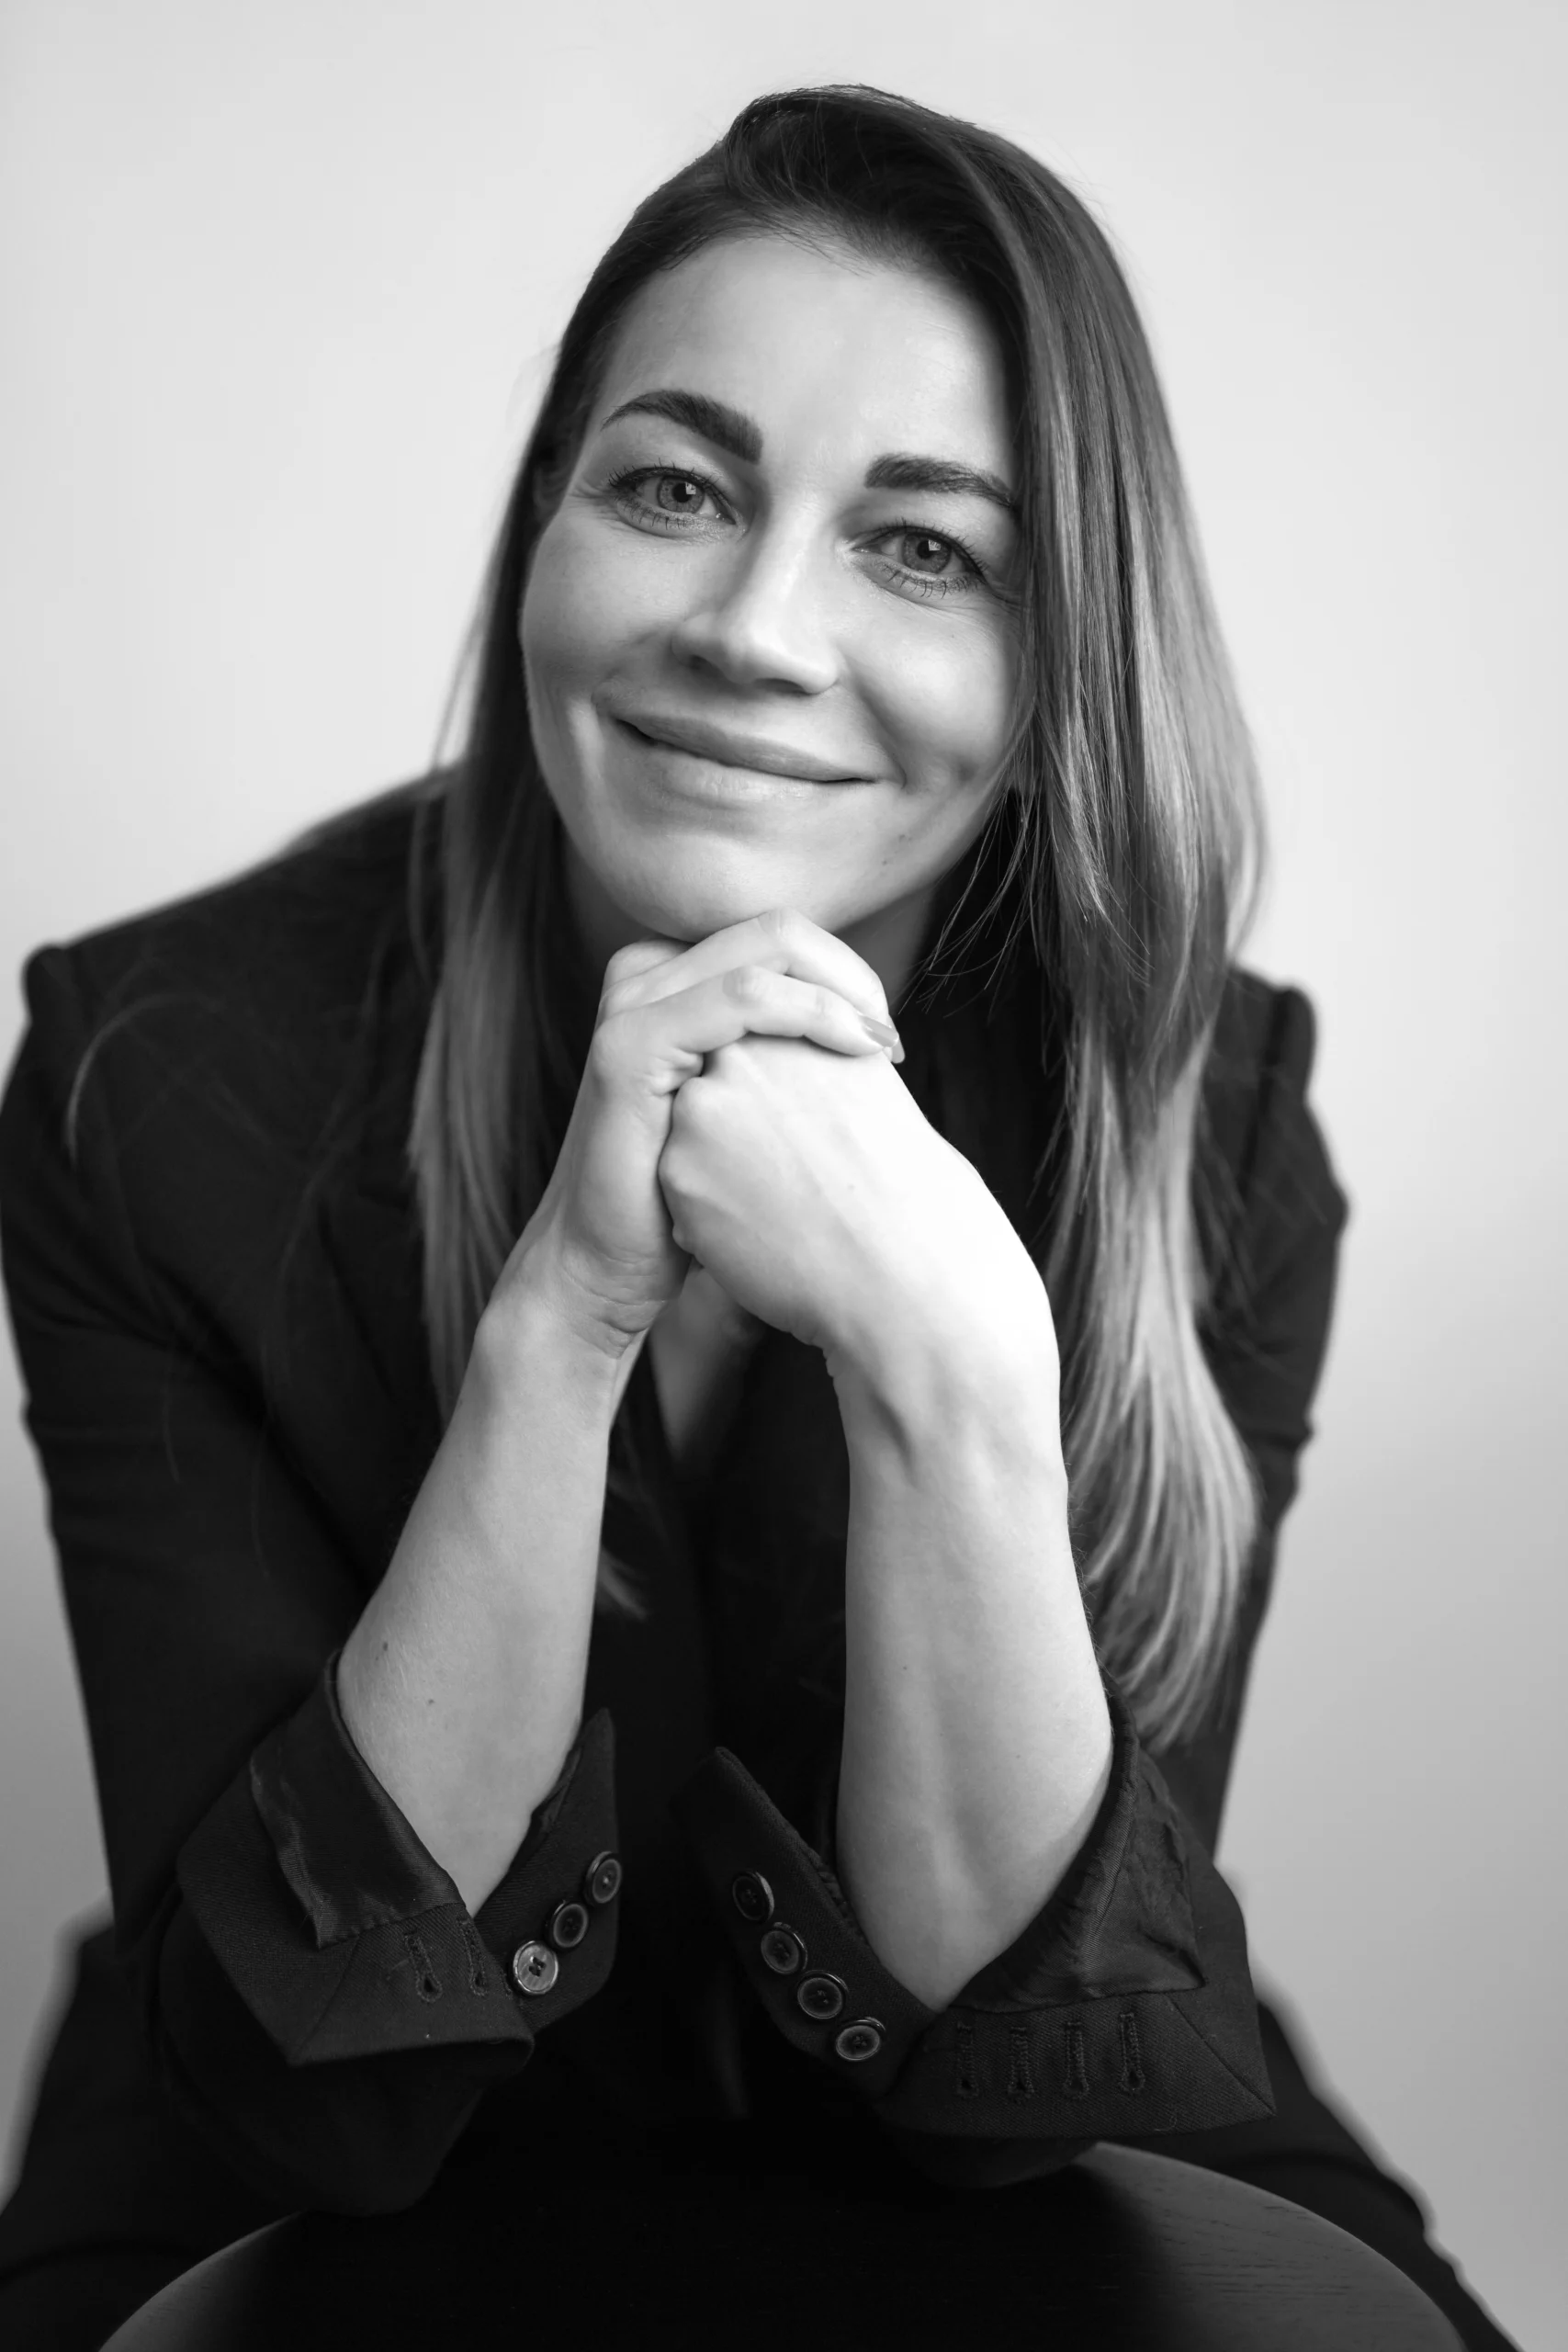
(1124,848)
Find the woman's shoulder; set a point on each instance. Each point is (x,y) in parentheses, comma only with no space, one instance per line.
(290,932)
(239,1007)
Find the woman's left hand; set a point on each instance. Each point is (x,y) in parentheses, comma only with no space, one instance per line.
(814,1191)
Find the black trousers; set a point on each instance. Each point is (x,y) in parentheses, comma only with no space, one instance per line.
(1305,2153)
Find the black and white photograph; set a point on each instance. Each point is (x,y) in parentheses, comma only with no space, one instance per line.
(782,1168)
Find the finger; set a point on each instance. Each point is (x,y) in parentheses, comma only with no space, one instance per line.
(636,959)
(669,1034)
(782,940)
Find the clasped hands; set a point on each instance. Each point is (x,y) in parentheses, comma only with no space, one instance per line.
(736,1111)
(808,1184)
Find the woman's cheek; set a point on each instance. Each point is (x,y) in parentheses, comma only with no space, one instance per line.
(570,617)
(946,697)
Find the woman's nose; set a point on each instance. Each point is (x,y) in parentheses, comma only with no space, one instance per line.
(761,617)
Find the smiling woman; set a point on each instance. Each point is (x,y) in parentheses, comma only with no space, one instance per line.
(669,1361)
(791,586)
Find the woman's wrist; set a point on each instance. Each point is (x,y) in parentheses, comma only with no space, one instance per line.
(916,1376)
(538,1323)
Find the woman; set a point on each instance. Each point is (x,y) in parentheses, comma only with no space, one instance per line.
(683,1344)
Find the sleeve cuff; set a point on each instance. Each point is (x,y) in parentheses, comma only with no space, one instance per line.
(345,1938)
(1123,2008)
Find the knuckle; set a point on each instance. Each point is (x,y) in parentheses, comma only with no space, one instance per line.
(607,1047)
(785,926)
(748,983)
(621,988)
(631,964)
(624,965)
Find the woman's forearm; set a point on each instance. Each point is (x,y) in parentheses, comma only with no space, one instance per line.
(976,1736)
(462,1682)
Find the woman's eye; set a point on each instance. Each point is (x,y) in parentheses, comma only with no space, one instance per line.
(957,569)
(932,563)
(678,508)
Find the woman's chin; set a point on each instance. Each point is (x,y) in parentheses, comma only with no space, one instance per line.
(690,921)
(681,905)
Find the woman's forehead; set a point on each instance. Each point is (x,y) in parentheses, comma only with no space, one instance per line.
(806,342)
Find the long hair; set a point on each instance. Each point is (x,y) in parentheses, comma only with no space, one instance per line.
(1125,842)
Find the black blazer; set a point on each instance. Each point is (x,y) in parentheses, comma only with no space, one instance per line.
(212,1263)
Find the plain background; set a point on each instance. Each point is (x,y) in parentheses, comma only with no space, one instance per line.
(280,290)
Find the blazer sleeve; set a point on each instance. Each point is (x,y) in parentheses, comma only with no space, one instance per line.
(314,1994)
(1125,2007)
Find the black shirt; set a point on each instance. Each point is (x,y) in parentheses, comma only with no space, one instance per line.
(212,1263)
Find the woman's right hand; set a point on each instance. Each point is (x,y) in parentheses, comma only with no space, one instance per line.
(599,1249)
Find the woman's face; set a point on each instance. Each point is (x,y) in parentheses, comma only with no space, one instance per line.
(784,568)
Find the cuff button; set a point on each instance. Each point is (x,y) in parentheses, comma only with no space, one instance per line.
(602,1880)
(783,1951)
(860,2040)
(753,1897)
(534,1967)
(821,1996)
(568,1924)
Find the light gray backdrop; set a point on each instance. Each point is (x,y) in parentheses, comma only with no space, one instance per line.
(279,287)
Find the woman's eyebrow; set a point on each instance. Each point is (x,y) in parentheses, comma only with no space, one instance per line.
(740,437)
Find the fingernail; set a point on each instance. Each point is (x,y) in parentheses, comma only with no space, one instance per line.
(885,1034)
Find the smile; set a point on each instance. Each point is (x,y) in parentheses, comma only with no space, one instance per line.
(745,754)
(701,777)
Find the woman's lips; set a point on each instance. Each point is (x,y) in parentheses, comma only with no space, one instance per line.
(754,754)
(707,777)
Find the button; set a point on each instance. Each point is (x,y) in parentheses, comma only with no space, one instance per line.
(821,1996)
(753,1897)
(534,1967)
(861,2039)
(568,1924)
(781,1949)
(602,1880)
